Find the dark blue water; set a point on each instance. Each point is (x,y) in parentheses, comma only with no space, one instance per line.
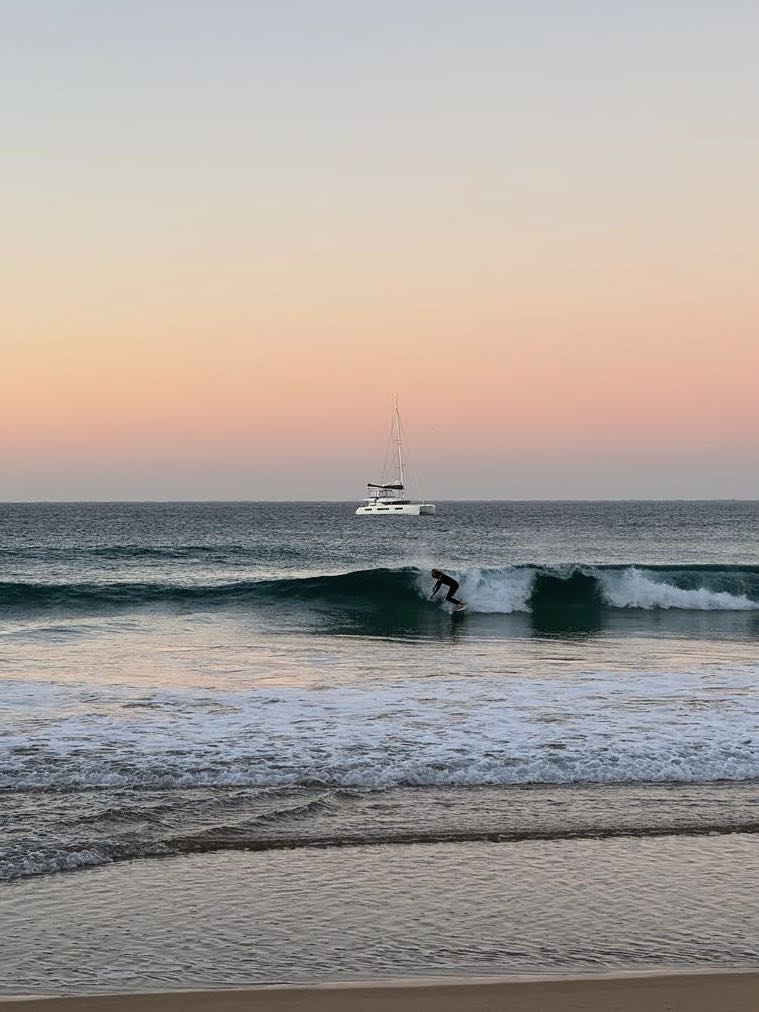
(80,539)
(182,677)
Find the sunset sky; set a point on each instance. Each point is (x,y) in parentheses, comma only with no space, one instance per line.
(233,229)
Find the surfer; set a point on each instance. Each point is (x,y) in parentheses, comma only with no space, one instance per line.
(451,584)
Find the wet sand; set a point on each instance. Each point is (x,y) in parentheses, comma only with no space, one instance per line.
(704,991)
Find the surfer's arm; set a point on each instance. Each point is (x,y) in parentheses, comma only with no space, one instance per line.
(437,587)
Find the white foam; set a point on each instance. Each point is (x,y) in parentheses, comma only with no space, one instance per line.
(508,589)
(633,588)
(492,591)
(19,864)
(582,728)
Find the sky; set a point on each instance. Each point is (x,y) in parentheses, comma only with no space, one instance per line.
(232,230)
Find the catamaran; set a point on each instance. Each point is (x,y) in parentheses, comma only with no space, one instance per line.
(389,497)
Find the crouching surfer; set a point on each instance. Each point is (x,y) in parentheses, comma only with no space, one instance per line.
(451,584)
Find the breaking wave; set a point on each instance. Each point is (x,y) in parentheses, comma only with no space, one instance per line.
(696,588)
(504,590)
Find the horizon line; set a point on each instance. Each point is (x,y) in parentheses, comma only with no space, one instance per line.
(240,502)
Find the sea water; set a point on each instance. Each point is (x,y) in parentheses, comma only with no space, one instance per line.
(224,677)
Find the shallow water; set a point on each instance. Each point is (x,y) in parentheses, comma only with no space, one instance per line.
(476,908)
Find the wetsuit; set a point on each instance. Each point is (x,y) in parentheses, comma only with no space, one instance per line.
(451,584)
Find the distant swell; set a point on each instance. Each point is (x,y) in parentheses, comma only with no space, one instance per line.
(505,590)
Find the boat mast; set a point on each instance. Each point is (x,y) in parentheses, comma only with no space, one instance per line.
(398,444)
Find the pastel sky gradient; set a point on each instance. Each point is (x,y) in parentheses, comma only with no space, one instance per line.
(233,229)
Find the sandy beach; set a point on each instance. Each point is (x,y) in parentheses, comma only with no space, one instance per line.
(724,991)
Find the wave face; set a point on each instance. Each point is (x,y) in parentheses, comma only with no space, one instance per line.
(502,591)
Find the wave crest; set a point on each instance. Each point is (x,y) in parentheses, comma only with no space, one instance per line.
(633,588)
(505,590)
(530,588)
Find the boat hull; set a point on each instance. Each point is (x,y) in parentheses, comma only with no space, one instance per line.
(408,509)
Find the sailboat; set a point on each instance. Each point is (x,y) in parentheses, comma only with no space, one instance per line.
(389,497)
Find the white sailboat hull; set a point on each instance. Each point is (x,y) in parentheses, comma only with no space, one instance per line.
(389,497)
(408,509)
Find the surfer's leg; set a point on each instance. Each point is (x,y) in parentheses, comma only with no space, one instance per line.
(449,596)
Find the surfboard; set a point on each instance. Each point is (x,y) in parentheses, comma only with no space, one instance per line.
(459,610)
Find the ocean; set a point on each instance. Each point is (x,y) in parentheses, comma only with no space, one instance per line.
(216,683)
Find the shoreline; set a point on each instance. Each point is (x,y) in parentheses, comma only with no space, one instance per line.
(686,990)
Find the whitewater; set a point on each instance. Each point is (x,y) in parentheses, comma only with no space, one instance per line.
(486,730)
(188,677)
